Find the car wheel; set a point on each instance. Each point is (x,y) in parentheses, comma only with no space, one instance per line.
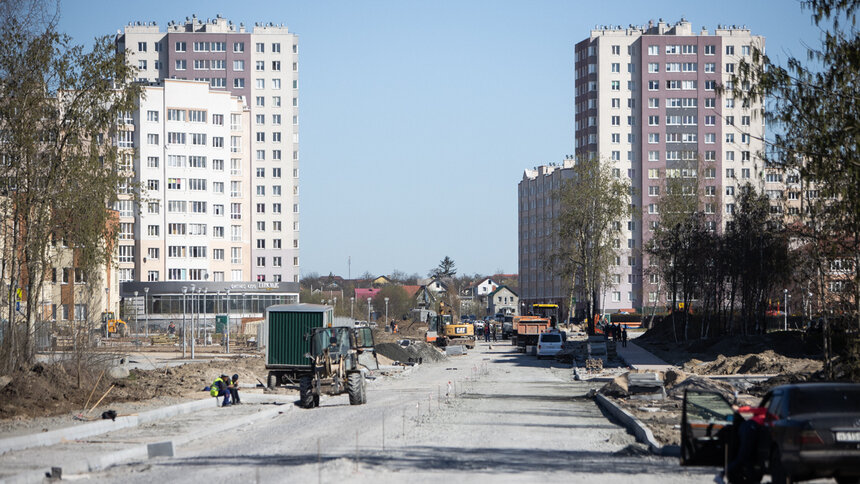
(778,474)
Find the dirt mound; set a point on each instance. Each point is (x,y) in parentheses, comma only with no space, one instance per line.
(765,362)
(617,388)
(46,390)
(414,330)
(674,377)
(416,351)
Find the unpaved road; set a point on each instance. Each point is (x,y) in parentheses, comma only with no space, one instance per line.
(514,419)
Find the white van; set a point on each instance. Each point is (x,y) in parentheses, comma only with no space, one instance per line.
(549,344)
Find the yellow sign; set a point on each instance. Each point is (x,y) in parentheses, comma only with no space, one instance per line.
(19,294)
(680,305)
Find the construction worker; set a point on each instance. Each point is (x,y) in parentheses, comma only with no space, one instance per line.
(221,388)
(234,389)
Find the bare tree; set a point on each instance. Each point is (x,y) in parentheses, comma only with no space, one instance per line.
(59,106)
(591,205)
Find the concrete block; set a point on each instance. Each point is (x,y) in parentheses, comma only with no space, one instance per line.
(455,350)
(160,449)
(645,378)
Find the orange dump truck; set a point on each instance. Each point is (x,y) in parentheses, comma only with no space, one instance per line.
(526,330)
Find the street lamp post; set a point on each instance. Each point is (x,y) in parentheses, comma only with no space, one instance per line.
(146,309)
(227,334)
(200,314)
(205,316)
(184,338)
(352,307)
(136,328)
(368,310)
(386,311)
(193,289)
(193,318)
(785,323)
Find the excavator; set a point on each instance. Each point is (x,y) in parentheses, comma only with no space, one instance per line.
(113,326)
(449,332)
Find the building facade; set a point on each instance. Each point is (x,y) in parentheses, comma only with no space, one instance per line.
(196,217)
(256,69)
(648,101)
(537,210)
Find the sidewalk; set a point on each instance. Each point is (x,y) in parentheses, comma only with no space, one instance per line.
(640,359)
(101,444)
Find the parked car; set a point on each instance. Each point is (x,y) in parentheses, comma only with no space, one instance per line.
(812,430)
(549,344)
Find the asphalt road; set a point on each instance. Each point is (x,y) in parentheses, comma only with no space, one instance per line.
(507,418)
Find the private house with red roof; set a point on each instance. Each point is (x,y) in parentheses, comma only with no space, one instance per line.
(364,293)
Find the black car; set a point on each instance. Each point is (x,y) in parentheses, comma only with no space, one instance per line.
(812,430)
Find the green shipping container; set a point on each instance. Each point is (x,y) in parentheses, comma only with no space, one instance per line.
(287,325)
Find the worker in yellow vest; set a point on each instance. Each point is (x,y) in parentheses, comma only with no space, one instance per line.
(221,388)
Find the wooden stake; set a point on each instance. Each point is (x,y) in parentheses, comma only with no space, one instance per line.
(100,399)
(94,390)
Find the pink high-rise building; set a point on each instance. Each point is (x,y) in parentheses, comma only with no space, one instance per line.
(647,101)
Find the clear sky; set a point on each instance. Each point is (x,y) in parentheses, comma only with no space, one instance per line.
(417,118)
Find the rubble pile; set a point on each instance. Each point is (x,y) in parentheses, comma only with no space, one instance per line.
(413,352)
(761,363)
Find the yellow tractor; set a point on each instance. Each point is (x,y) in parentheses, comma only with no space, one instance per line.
(113,326)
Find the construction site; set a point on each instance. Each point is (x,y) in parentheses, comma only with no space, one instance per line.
(137,410)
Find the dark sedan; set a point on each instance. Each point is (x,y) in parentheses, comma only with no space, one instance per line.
(812,430)
(815,432)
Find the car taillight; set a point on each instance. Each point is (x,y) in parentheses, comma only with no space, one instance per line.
(810,437)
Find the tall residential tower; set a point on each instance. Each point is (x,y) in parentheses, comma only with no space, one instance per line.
(255,123)
(648,102)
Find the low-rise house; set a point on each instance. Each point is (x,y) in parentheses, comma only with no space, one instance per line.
(502,300)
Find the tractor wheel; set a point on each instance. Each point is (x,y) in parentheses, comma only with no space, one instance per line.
(306,392)
(355,386)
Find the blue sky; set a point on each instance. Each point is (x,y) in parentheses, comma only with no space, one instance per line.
(417,118)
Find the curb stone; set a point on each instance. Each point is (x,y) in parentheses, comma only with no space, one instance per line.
(140,453)
(637,428)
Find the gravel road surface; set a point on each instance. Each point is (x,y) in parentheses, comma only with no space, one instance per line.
(507,417)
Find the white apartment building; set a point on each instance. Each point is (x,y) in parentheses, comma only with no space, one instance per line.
(194,172)
(260,68)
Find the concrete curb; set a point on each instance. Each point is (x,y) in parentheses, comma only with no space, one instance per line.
(141,453)
(99,427)
(636,427)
